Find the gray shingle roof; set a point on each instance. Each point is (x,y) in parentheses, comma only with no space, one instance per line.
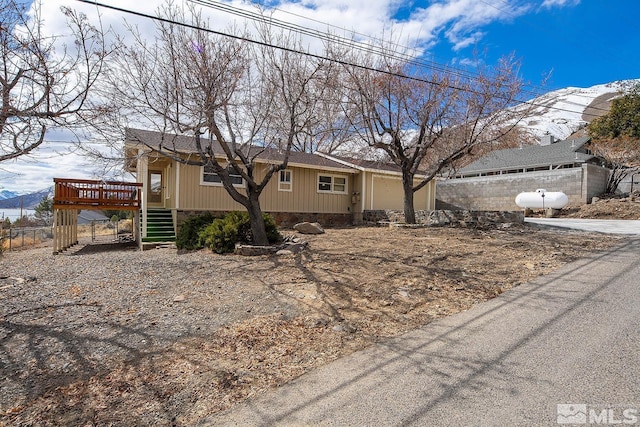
(165,141)
(186,144)
(369,164)
(87,216)
(562,152)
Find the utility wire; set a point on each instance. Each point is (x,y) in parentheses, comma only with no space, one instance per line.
(347,42)
(304,53)
(367,47)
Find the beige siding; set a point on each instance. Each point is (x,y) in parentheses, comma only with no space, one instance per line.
(170,186)
(303,198)
(385,192)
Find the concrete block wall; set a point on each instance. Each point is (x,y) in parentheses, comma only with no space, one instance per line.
(594,182)
(498,192)
(630,183)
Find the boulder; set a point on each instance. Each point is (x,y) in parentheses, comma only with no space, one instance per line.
(308,228)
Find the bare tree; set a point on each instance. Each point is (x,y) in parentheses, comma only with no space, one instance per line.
(44,82)
(243,97)
(426,121)
(616,136)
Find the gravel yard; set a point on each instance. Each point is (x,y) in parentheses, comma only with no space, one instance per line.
(105,335)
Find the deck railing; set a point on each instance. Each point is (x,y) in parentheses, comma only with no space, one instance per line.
(91,194)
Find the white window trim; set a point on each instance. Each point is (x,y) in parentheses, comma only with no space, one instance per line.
(216,184)
(285,183)
(332,191)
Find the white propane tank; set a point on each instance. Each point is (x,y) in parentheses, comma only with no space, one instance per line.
(542,199)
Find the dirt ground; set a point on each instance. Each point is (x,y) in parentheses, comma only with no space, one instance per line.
(136,347)
(609,207)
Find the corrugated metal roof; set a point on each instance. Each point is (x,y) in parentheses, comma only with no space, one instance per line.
(562,152)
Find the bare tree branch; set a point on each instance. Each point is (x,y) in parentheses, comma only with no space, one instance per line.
(44,83)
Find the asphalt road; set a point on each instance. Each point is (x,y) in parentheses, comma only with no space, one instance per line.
(570,338)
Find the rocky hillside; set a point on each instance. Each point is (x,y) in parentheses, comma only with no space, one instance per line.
(563,112)
(610,207)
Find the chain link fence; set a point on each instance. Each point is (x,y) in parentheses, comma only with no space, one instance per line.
(16,238)
(22,237)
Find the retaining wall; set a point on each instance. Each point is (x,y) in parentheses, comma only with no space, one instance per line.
(498,192)
(464,218)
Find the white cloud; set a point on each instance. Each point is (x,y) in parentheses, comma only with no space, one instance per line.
(461,22)
(559,3)
(55,159)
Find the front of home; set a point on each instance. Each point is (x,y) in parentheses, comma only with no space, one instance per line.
(314,187)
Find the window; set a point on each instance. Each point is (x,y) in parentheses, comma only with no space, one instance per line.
(332,184)
(209,177)
(284,181)
(324,183)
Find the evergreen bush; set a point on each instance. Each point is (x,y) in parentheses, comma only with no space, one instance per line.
(223,233)
(189,235)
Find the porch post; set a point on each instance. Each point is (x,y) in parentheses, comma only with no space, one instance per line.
(76,213)
(56,233)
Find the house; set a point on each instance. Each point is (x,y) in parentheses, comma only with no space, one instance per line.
(91,217)
(493,181)
(314,187)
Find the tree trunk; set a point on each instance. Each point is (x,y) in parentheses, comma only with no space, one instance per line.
(409,210)
(258,229)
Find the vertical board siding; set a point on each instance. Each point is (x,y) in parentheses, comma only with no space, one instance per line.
(387,193)
(303,198)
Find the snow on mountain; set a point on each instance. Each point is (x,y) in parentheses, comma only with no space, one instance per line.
(7,194)
(564,111)
(27,201)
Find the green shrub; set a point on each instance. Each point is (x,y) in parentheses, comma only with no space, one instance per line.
(223,233)
(273,234)
(189,235)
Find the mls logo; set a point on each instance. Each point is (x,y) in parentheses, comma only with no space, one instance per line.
(572,413)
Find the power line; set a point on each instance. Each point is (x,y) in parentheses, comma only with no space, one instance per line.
(304,53)
(409,59)
(283,48)
(369,47)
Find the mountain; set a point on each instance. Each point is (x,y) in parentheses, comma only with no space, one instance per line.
(26,201)
(562,112)
(559,113)
(7,194)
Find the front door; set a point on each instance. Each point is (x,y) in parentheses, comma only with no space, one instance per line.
(154,189)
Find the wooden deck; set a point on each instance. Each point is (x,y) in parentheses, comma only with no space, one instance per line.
(70,196)
(90,194)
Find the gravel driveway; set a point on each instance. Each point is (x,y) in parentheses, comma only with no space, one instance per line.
(99,336)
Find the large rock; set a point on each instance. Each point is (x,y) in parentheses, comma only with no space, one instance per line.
(308,228)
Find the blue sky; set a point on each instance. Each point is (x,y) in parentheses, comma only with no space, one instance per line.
(575,42)
(581,42)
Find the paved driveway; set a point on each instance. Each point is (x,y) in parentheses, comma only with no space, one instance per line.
(609,226)
(571,338)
